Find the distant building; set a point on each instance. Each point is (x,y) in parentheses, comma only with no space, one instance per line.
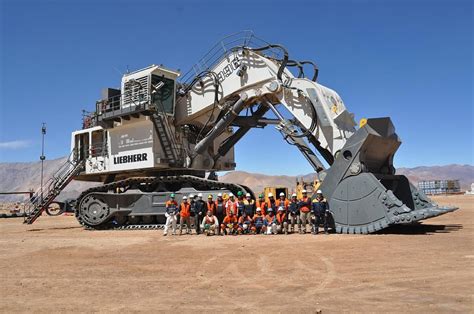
(433,187)
(471,192)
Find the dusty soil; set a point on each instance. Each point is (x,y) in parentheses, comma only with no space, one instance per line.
(54,265)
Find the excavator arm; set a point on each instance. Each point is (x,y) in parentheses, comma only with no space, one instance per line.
(355,165)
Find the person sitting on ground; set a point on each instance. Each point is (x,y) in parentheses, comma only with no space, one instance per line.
(229,225)
(281,221)
(245,223)
(270,222)
(210,224)
(258,224)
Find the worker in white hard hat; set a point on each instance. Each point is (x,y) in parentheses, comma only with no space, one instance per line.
(305,211)
(294,213)
(220,210)
(200,208)
(282,202)
(281,221)
(184,215)
(249,205)
(258,223)
(271,203)
(270,222)
(320,209)
(230,205)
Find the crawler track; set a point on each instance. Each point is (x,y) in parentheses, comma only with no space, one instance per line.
(148,185)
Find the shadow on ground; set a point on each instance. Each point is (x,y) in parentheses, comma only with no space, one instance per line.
(421,229)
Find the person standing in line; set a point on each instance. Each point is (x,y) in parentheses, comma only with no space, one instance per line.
(294,213)
(220,210)
(200,212)
(261,203)
(249,206)
(185,214)
(305,211)
(172,211)
(230,205)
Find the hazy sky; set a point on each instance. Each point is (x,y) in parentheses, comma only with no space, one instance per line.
(408,60)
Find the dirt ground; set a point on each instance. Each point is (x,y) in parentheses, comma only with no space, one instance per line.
(56,266)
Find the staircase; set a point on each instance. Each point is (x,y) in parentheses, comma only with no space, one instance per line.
(165,134)
(45,196)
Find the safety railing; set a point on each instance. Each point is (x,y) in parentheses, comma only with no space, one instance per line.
(223,48)
(53,186)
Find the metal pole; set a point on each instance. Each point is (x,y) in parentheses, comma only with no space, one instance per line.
(42,157)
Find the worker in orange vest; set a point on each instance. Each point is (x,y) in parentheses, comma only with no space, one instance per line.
(244,224)
(170,214)
(305,211)
(230,205)
(185,214)
(271,203)
(229,225)
(282,202)
(270,222)
(261,203)
(281,221)
(211,205)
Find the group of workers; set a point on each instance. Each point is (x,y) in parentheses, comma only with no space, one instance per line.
(244,215)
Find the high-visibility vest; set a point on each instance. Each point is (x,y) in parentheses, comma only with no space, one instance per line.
(185,210)
(305,208)
(212,207)
(285,204)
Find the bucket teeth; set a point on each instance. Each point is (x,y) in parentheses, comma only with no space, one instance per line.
(375,197)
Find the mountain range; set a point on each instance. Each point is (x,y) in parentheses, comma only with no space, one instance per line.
(26,176)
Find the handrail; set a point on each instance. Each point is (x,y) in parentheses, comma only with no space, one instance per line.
(222,48)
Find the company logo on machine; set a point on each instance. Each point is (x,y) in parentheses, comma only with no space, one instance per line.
(228,69)
(130,158)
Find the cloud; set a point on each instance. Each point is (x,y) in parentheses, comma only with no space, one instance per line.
(14,144)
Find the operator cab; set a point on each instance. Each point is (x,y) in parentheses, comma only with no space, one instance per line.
(141,91)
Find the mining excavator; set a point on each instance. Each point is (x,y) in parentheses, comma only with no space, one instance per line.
(163,132)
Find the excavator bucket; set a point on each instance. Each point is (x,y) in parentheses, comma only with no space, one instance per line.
(364,193)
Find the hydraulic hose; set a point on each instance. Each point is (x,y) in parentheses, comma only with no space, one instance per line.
(284,61)
(315,67)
